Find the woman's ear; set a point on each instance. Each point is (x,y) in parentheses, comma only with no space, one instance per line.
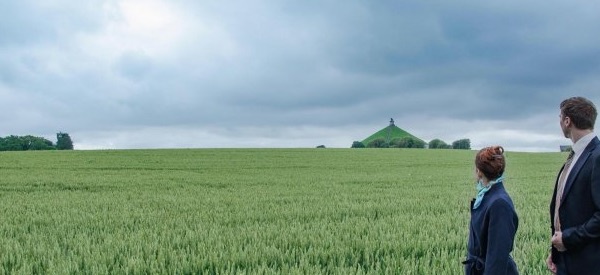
(480,176)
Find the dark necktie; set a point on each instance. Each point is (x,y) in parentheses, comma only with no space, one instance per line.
(560,188)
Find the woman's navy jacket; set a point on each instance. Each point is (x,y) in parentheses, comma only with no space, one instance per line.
(492,233)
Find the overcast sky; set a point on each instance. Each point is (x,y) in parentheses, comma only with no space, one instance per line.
(194,74)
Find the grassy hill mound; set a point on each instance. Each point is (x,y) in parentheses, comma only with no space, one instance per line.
(392,132)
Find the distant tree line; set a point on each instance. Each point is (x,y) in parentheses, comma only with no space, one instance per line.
(411,142)
(27,143)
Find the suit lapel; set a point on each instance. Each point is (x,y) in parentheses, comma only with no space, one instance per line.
(587,152)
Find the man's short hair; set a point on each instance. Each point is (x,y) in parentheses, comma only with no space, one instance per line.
(581,111)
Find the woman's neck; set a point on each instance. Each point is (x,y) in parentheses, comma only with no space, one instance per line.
(485,182)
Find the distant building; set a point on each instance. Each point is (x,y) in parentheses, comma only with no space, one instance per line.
(565,148)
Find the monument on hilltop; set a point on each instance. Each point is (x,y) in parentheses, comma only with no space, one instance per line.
(389,133)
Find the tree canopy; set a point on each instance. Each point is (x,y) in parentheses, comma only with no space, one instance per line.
(64,142)
(29,142)
(407,142)
(438,144)
(357,144)
(378,143)
(464,144)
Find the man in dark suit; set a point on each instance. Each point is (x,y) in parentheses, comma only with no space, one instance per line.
(575,205)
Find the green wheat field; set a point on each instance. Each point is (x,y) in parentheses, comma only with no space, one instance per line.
(257,211)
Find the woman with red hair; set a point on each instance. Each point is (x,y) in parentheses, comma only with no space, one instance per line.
(494,221)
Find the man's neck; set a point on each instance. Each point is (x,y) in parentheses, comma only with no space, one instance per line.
(577,134)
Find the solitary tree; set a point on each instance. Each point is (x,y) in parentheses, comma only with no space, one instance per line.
(64,142)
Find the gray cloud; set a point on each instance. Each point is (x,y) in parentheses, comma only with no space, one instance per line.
(261,68)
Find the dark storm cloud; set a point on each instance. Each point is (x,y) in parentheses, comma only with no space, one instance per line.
(427,56)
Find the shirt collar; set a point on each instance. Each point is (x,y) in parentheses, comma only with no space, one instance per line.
(583,142)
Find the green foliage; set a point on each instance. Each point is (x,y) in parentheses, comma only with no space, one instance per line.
(407,142)
(63,141)
(464,144)
(245,211)
(378,143)
(388,134)
(11,143)
(25,143)
(357,144)
(438,144)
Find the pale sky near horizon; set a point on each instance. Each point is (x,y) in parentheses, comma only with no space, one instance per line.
(118,74)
